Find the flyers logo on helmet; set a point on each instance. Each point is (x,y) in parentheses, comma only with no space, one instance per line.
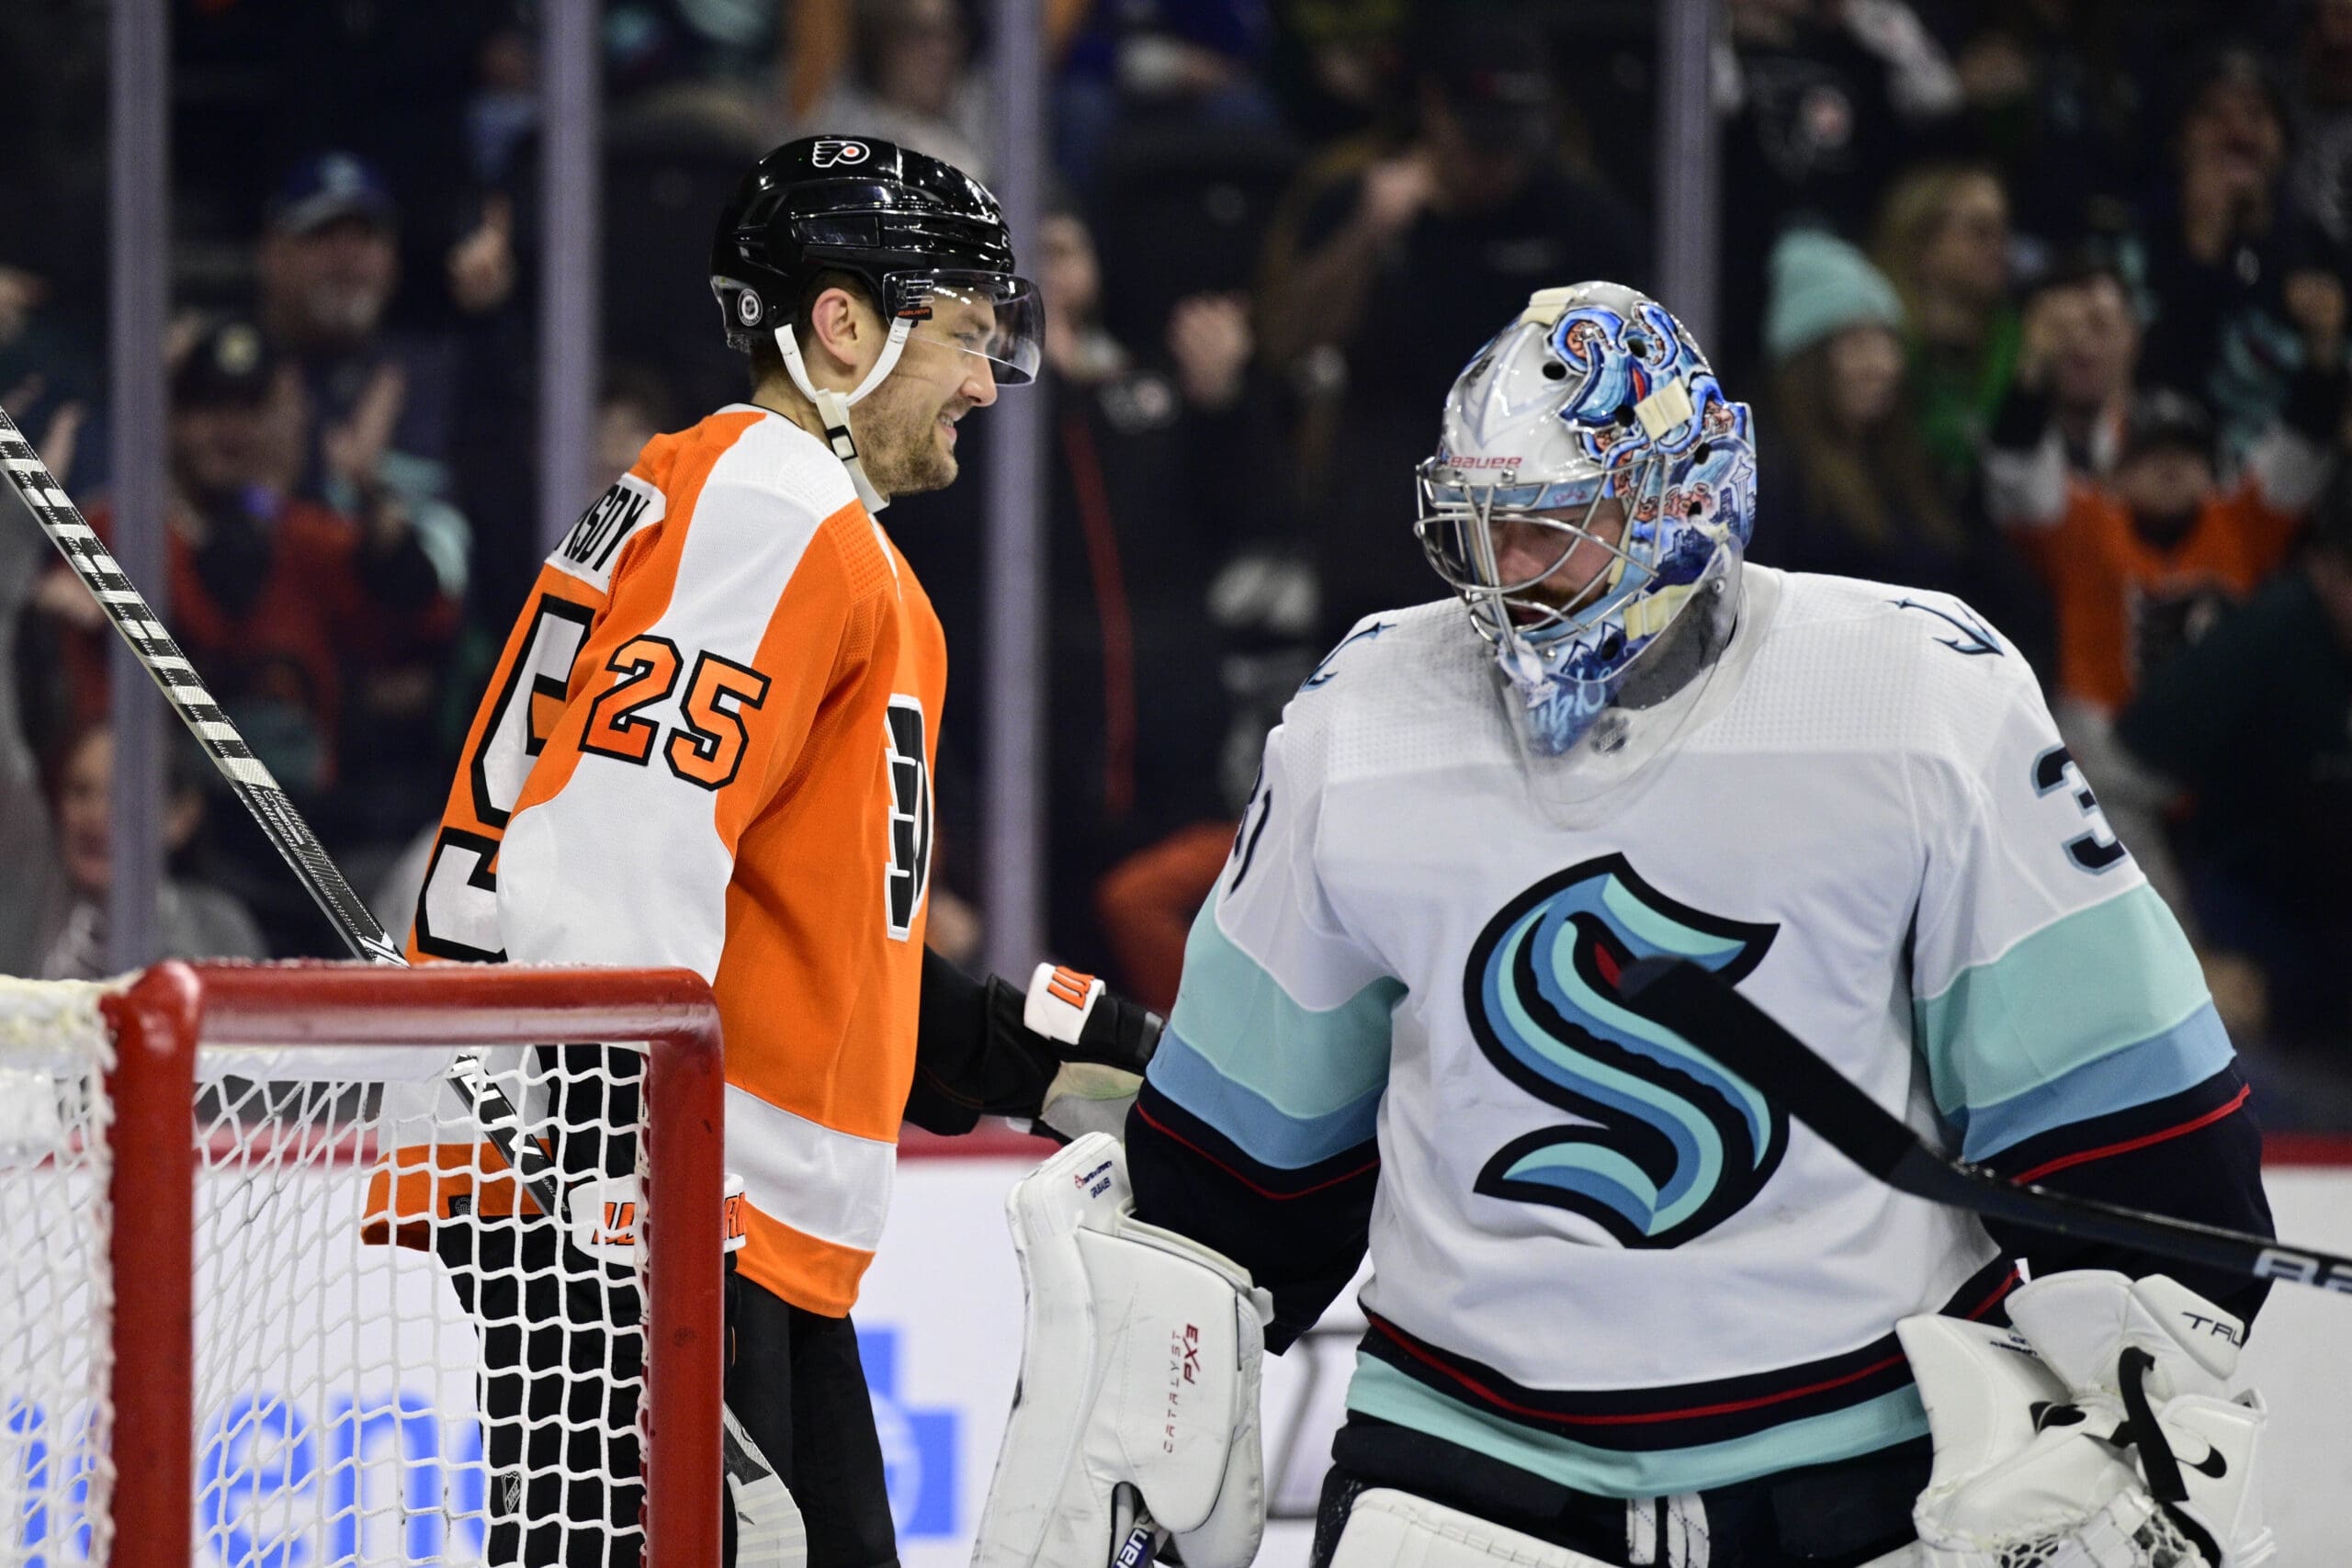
(829,150)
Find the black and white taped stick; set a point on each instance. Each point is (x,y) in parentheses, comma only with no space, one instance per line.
(185,690)
(254,786)
(1708,1012)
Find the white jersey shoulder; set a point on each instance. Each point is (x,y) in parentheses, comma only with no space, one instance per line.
(1834,664)
(772,470)
(1850,664)
(779,459)
(1404,688)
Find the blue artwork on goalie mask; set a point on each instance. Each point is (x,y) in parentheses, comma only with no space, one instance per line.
(1676,1144)
(917,1445)
(1720,485)
(1617,362)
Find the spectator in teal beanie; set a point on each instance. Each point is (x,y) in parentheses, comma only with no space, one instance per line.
(1847,486)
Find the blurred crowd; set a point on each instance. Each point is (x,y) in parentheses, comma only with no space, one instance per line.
(2041,302)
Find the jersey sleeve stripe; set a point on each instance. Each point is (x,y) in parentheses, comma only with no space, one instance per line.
(1176,1124)
(1302,1064)
(1256,1125)
(2126,1145)
(2041,1010)
(2162,1064)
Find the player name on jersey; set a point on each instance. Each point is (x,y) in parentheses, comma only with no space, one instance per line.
(589,550)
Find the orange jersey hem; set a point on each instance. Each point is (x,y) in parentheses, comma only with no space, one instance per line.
(814,1275)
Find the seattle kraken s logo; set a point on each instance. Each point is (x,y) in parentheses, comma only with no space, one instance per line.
(1677,1145)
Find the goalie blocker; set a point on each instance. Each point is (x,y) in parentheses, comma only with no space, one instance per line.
(1139,1360)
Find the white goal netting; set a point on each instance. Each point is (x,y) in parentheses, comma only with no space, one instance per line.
(56,1476)
(397,1358)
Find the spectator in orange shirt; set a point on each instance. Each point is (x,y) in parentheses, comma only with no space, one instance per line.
(2141,562)
(2142,565)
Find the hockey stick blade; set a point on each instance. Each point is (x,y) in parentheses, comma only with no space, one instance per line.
(254,786)
(1709,1013)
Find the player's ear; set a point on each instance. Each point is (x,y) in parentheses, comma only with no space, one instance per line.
(844,329)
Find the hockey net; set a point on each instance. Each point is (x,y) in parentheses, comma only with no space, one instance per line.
(272,1296)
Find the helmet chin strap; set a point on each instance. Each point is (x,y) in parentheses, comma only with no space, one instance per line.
(832,407)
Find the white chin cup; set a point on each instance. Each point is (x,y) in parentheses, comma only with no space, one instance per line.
(832,407)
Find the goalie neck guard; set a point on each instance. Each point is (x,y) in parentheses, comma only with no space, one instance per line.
(1594,395)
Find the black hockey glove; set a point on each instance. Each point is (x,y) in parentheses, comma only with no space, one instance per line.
(1085,1023)
(1104,1042)
(1066,1055)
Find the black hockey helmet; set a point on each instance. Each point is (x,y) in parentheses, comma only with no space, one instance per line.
(916,231)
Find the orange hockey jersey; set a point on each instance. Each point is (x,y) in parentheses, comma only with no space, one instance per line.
(2125,605)
(709,744)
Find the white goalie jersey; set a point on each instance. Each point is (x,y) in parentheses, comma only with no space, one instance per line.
(1596,1255)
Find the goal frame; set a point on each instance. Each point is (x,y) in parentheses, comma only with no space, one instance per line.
(161,1021)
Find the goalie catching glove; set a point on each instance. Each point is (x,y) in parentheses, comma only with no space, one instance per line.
(2094,1436)
(1140,1353)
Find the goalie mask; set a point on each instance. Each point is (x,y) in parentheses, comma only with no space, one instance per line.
(1590,498)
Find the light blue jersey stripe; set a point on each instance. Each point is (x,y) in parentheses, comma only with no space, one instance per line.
(1381,1391)
(2101,981)
(1264,1132)
(1289,1084)
(2179,1058)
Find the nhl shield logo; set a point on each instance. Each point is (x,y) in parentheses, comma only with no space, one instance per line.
(747,307)
(830,151)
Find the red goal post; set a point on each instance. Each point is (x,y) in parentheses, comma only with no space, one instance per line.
(170,1130)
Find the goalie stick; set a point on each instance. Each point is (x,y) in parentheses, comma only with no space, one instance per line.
(1706,1010)
(771,1535)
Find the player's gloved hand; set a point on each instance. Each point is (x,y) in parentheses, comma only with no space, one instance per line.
(1104,1042)
(1087,1023)
(2094,1436)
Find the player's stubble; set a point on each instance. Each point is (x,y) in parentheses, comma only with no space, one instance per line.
(899,434)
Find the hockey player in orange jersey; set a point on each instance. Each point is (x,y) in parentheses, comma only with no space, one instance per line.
(709,743)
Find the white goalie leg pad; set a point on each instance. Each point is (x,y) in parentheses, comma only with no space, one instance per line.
(1140,1354)
(2038,1458)
(1395,1529)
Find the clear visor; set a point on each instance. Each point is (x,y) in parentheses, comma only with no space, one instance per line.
(994,315)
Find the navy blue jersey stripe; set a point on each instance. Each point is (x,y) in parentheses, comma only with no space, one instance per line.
(1683,1416)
